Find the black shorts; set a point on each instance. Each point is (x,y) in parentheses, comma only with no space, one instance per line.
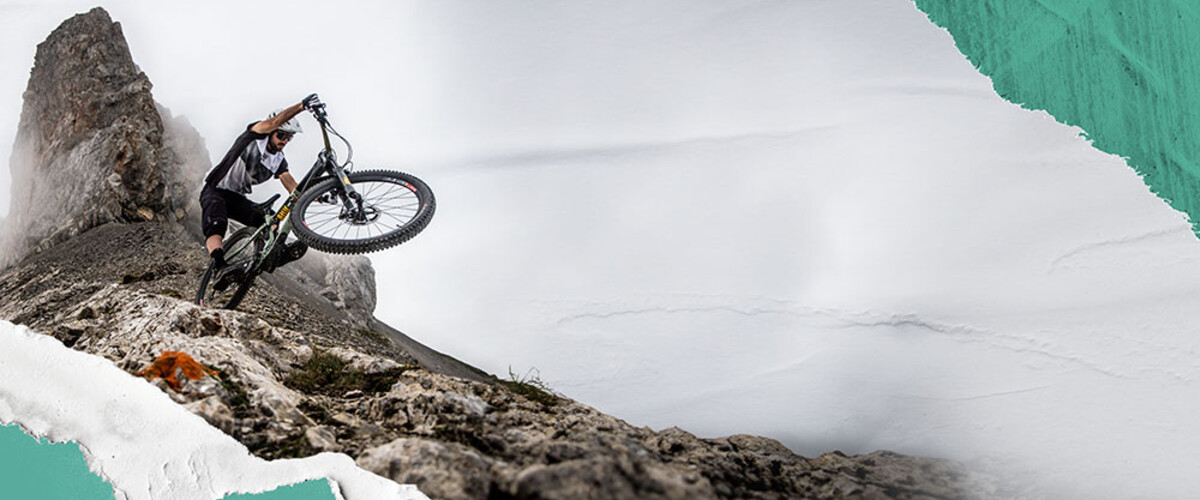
(219,205)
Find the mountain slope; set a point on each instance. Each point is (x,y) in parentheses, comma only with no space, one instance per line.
(293,373)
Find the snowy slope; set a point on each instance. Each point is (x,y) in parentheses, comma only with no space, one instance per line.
(139,440)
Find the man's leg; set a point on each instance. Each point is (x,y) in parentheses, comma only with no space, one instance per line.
(241,209)
(214,219)
(214,242)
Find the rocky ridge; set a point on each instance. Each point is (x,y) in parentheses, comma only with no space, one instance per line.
(292,373)
(291,381)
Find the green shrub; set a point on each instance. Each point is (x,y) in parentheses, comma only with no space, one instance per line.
(327,374)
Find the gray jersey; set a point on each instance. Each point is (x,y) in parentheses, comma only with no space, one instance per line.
(247,163)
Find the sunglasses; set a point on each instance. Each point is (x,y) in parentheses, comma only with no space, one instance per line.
(283,136)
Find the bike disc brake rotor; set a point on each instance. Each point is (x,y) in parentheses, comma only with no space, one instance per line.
(368,215)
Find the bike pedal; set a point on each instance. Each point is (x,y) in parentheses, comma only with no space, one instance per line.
(227,278)
(295,251)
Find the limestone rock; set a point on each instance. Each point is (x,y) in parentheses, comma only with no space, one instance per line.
(186,151)
(350,284)
(346,281)
(90,144)
(448,471)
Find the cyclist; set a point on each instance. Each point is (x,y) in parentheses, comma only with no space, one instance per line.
(256,156)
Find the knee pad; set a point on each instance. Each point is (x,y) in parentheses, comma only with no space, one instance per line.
(215,226)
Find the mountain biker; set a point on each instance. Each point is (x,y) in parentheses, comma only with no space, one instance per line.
(255,157)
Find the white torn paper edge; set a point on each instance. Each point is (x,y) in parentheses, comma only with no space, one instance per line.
(145,445)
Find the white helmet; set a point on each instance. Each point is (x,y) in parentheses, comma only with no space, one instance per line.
(292,126)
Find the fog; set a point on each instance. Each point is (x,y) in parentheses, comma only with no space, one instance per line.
(810,220)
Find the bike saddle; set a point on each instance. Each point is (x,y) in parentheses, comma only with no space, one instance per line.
(265,207)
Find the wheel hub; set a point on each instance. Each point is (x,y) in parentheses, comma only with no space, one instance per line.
(367,215)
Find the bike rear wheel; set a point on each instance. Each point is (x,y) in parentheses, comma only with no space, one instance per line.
(395,207)
(224,288)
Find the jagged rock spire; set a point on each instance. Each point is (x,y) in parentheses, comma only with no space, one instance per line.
(89,149)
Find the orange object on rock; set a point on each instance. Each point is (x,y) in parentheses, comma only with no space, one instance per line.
(171,364)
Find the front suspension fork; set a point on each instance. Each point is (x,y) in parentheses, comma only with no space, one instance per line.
(352,202)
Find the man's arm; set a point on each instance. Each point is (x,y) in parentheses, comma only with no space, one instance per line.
(289,182)
(270,124)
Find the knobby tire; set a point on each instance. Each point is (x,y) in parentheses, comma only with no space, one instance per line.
(399,206)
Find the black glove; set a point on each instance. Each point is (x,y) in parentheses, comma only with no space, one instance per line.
(311,102)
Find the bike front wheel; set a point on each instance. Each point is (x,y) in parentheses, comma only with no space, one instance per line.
(394,207)
(226,287)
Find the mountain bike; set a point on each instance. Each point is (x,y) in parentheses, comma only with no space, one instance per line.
(335,209)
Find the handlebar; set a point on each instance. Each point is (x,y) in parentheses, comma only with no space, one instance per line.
(318,111)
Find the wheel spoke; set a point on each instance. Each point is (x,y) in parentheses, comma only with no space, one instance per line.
(401,221)
(397,194)
(326,211)
(410,205)
(323,226)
